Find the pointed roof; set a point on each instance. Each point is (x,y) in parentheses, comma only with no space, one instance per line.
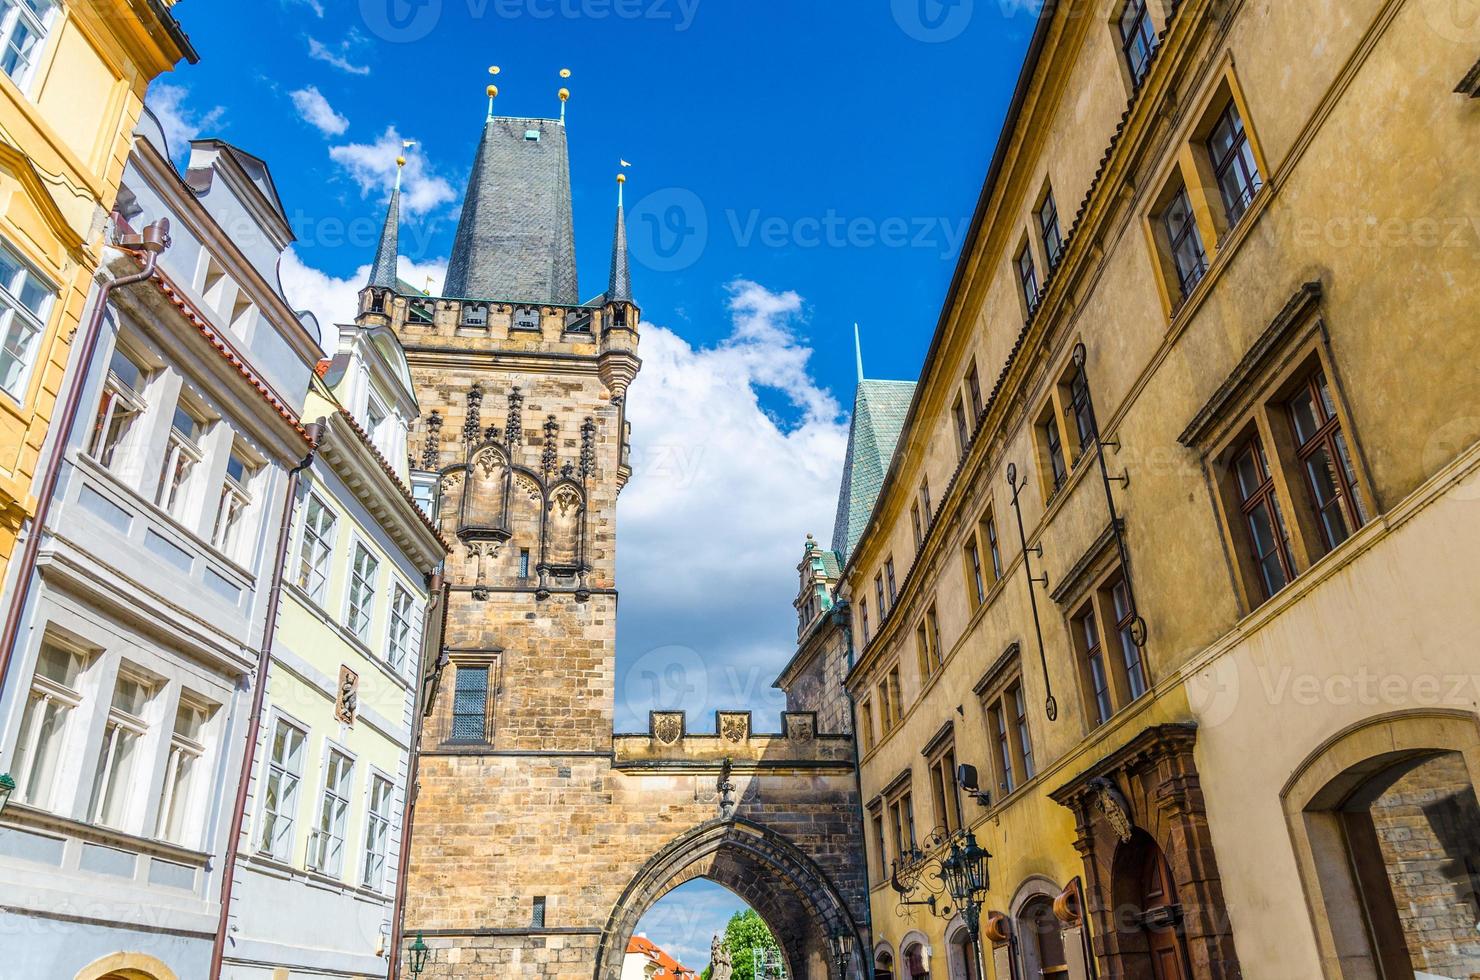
(879,410)
(515,239)
(383,270)
(619,287)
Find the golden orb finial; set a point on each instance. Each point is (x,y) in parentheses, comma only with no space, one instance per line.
(400,161)
(565,95)
(621,178)
(492,91)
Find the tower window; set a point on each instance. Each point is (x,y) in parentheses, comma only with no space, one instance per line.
(531,136)
(538,917)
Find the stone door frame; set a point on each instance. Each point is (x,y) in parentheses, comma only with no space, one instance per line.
(1151,785)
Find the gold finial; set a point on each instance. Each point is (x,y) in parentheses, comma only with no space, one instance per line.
(621,178)
(565,73)
(400,161)
(564,95)
(494,69)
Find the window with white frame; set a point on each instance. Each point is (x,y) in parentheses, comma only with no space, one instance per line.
(377,416)
(403,627)
(316,549)
(23,28)
(122,403)
(187,749)
(326,847)
(123,734)
(377,832)
(182,456)
(53,698)
(25,303)
(280,795)
(234,504)
(362,571)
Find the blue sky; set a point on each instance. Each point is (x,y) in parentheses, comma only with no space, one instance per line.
(797,167)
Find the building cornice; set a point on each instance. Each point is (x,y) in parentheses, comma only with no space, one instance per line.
(352,456)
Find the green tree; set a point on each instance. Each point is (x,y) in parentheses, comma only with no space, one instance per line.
(746,933)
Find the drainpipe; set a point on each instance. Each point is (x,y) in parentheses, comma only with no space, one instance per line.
(315,431)
(413,768)
(148,245)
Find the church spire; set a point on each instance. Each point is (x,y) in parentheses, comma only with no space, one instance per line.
(619,288)
(858,352)
(383,270)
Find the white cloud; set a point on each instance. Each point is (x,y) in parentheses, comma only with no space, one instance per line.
(721,500)
(314,5)
(335,300)
(337,56)
(181,124)
(315,110)
(373,167)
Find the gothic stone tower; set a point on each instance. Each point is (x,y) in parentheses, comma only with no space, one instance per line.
(540,837)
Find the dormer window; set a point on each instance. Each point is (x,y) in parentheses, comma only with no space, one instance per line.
(376,418)
(531,136)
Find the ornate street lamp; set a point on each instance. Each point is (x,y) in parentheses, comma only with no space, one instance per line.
(842,950)
(419,954)
(959,874)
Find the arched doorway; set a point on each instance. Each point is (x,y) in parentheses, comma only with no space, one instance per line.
(1040,942)
(769,873)
(1148,913)
(1392,846)
(883,964)
(916,962)
(960,953)
(126,966)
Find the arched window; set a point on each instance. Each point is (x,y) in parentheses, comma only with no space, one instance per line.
(883,965)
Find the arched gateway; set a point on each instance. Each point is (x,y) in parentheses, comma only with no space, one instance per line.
(787,888)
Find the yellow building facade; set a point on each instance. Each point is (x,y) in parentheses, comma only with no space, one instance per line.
(1177,545)
(72,79)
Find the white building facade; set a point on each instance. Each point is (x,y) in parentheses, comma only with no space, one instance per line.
(132,680)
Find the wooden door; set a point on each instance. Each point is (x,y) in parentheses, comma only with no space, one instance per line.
(1158,891)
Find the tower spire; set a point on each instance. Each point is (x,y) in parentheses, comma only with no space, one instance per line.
(383,269)
(492,90)
(858,352)
(619,288)
(564,95)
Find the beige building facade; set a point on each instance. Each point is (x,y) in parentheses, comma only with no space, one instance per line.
(1176,548)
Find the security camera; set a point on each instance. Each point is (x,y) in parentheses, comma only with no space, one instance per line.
(966,779)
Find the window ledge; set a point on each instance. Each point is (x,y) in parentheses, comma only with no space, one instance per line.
(21,815)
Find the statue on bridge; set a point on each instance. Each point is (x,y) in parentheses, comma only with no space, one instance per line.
(720,965)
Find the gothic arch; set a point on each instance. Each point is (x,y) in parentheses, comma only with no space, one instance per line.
(565,510)
(786,887)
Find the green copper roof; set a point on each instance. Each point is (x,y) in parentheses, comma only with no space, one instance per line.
(879,410)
